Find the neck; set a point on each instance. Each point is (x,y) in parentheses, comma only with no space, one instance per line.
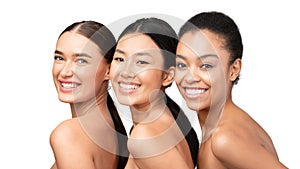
(95,103)
(209,118)
(149,112)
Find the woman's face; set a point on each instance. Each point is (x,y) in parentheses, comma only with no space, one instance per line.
(136,71)
(202,75)
(76,74)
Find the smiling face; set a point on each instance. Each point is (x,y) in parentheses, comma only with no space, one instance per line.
(137,70)
(75,71)
(203,75)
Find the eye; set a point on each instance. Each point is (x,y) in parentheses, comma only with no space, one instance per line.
(142,62)
(58,58)
(206,66)
(81,61)
(119,59)
(180,65)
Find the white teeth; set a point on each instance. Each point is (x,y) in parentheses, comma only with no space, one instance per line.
(194,91)
(68,85)
(125,86)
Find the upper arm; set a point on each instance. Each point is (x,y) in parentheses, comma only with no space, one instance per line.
(68,147)
(235,151)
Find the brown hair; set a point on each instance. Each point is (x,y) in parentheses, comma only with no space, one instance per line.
(105,40)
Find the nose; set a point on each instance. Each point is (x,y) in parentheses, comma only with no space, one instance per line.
(126,70)
(67,70)
(192,75)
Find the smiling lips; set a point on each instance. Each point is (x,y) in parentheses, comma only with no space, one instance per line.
(194,92)
(68,86)
(128,87)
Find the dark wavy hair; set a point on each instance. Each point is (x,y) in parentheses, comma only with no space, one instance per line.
(164,36)
(220,24)
(105,40)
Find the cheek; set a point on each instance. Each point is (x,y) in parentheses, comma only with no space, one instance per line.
(217,75)
(83,71)
(101,72)
(218,83)
(208,77)
(87,75)
(55,69)
(99,78)
(113,71)
(153,78)
(179,76)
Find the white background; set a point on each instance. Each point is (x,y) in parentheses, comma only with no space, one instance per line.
(268,89)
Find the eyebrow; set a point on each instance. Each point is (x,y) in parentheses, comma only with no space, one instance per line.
(199,57)
(120,51)
(58,52)
(136,54)
(76,54)
(142,54)
(82,55)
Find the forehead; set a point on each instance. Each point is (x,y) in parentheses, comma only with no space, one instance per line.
(136,42)
(71,41)
(201,42)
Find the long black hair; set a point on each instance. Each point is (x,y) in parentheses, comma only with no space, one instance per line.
(105,40)
(166,39)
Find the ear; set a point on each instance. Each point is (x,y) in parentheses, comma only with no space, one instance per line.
(168,76)
(106,76)
(235,69)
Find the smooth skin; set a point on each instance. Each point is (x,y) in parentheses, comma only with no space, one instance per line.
(139,80)
(231,138)
(77,78)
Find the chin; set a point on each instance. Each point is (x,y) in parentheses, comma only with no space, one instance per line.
(195,106)
(124,101)
(65,99)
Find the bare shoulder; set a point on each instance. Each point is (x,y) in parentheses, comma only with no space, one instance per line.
(144,131)
(140,136)
(235,149)
(71,146)
(233,133)
(65,132)
(154,128)
(240,141)
(223,140)
(153,138)
(155,148)
(69,136)
(228,146)
(138,140)
(54,166)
